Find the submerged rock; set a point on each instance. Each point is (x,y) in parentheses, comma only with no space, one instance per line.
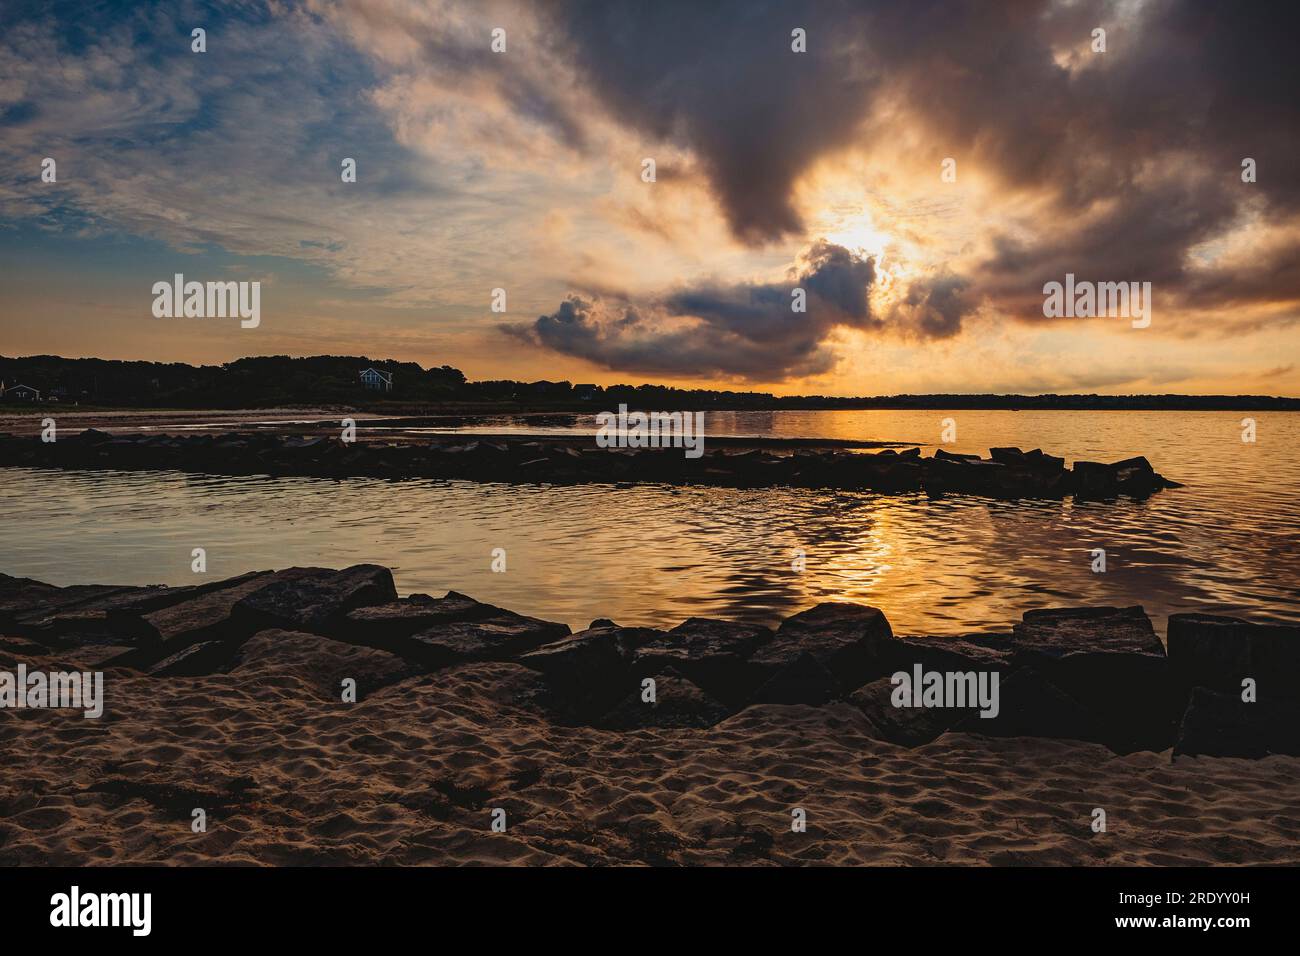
(1009,472)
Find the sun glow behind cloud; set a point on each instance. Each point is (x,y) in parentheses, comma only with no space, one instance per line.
(522,171)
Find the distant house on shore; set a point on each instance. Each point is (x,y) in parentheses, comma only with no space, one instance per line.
(585,392)
(19,393)
(376,380)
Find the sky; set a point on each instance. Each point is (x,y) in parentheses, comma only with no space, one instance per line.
(920,171)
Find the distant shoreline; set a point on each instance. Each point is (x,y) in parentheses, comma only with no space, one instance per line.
(405,388)
(1191,403)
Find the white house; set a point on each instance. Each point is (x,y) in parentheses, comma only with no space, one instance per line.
(379,381)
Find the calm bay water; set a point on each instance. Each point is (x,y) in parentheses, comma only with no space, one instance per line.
(652,555)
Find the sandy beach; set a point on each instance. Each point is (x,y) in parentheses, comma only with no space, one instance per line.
(407,776)
(248,724)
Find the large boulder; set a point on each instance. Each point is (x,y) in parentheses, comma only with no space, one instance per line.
(314,599)
(320,662)
(969,652)
(88,618)
(710,653)
(380,623)
(1030,705)
(26,604)
(906,726)
(201,615)
(851,642)
(497,638)
(802,681)
(973,654)
(1207,650)
(678,703)
(1223,725)
(1133,698)
(1055,632)
(1111,662)
(1132,476)
(588,672)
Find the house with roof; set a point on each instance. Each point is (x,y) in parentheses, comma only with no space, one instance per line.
(376,380)
(19,393)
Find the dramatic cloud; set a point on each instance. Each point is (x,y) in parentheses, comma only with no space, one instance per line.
(1132,156)
(521,170)
(722,78)
(748,330)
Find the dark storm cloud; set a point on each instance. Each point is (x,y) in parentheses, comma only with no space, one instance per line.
(1156,131)
(748,330)
(1156,127)
(722,79)
(933,307)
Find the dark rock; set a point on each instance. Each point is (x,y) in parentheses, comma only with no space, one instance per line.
(850,641)
(1007,456)
(1132,476)
(15,649)
(90,615)
(587,671)
(1223,725)
(1207,650)
(966,476)
(601,622)
(207,657)
(314,599)
(1030,705)
(906,726)
(710,653)
(1039,461)
(207,615)
(491,639)
(1056,632)
(402,618)
(24,597)
(972,652)
(942,455)
(678,703)
(321,662)
(1013,473)
(1133,698)
(802,681)
(1110,661)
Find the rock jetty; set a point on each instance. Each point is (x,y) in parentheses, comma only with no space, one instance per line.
(1006,473)
(1096,674)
